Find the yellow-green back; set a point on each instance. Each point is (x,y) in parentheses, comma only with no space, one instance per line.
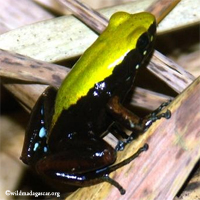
(101,57)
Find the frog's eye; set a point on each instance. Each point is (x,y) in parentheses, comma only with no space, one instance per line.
(143,43)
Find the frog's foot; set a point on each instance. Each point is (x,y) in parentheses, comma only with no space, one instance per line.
(154,116)
(119,165)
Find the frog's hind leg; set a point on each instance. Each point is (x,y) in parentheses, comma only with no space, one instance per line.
(112,168)
(35,144)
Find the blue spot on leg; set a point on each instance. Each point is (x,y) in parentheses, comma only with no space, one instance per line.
(42,111)
(45,149)
(35,146)
(42,132)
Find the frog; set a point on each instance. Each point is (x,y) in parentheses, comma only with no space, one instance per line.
(64,138)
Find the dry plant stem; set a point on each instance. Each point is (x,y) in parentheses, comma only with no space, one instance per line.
(155,99)
(98,22)
(170,72)
(192,190)
(26,94)
(26,70)
(91,17)
(16,14)
(16,66)
(161,8)
(23,68)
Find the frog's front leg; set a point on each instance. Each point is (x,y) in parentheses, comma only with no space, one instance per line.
(35,144)
(131,121)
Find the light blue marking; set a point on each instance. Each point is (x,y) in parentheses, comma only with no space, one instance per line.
(45,149)
(42,132)
(137,66)
(42,111)
(35,146)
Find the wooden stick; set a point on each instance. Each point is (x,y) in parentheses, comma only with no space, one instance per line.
(171,73)
(24,69)
(192,191)
(161,8)
(98,22)
(92,18)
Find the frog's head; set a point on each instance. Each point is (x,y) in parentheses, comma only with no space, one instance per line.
(130,40)
(132,32)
